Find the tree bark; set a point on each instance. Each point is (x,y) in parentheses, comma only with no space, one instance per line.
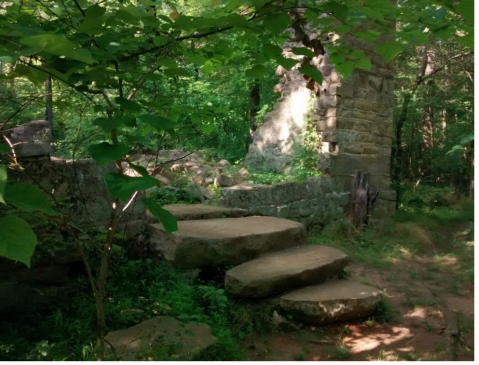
(254,100)
(49,107)
(360,199)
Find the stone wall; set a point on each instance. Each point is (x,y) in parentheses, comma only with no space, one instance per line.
(312,202)
(353,118)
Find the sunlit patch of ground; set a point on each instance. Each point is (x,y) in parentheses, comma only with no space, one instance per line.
(431,295)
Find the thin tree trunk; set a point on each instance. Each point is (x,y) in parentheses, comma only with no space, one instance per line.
(254,100)
(360,199)
(398,151)
(49,108)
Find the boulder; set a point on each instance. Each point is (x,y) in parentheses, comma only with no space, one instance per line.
(224,241)
(224,181)
(163,179)
(224,163)
(160,338)
(337,300)
(244,173)
(278,272)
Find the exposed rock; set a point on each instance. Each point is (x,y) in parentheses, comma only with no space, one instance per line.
(226,241)
(337,300)
(184,212)
(224,180)
(163,179)
(32,149)
(160,336)
(224,163)
(244,173)
(237,180)
(281,271)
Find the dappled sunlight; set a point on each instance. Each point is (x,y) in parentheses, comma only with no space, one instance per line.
(359,342)
(417,312)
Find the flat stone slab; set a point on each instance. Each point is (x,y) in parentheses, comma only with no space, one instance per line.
(285,270)
(337,300)
(184,212)
(160,337)
(224,241)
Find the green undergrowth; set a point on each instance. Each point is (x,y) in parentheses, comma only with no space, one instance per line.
(136,291)
(440,232)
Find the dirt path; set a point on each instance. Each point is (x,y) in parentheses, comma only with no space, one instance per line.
(432,305)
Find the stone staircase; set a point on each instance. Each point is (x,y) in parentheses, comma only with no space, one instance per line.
(271,261)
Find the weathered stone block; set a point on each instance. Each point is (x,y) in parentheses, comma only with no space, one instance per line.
(347,164)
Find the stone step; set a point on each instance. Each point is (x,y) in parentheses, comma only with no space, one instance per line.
(282,271)
(336,300)
(224,241)
(144,340)
(186,212)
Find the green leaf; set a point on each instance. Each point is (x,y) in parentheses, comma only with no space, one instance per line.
(172,72)
(167,220)
(168,62)
(466,139)
(445,32)
(157,122)
(104,153)
(272,51)
(140,169)
(160,41)
(466,9)
(389,50)
(207,128)
(256,71)
(8,57)
(58,45)
(113,123)
(368,36)
(92,23)
(303,52)
(454,149)
(360,60)
(314,73)
(345,69)
(4,148)
(123,187)
(126,104)
(287,63)
(28,197)
(3,181)
(18,240)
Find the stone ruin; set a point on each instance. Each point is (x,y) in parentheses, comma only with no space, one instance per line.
(353,119)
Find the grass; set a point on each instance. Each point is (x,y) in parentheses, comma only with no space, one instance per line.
(338,353)
(409,234)
(67,332)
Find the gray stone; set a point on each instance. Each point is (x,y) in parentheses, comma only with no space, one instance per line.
(337,300)
(184,212)
(224,163)
(281,271)
(160,336)
(32,149)
(223,181)
(244,173)
(227,241)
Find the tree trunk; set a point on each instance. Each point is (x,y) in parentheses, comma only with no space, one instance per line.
(254,100)
(360,199)
(49,108)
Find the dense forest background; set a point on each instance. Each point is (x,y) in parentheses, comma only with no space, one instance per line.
(114,79)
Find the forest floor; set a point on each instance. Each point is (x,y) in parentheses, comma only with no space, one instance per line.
(427,276)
